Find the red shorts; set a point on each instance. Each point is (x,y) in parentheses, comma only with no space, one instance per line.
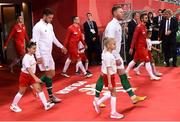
(105,80)
(83,57)
(26,80)
(141,55)
(20,50)
(74,55)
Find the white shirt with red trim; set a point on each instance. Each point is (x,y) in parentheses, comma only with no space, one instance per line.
(108,60)
(28,62)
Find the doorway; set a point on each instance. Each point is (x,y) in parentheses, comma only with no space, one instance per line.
(9,11)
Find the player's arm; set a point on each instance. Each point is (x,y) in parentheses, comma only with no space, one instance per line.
(26,36)
(55,40)
(36,38)
(58,44)
(67,38)
(11,34)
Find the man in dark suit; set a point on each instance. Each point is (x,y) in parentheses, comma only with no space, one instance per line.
(92,40)
(168,29)
(131,27)
(156,25)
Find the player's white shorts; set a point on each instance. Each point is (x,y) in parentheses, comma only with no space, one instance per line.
(118,57)
(48,63)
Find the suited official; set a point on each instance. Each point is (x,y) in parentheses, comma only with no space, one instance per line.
(92,40)
(169,27)
(156,23)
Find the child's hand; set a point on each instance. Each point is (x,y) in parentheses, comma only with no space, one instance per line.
(118,62)
(159,51)
(39,61)
(64,50)
(110,86)
(38,80)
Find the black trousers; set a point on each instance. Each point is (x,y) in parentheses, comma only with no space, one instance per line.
(169,49)
(94,49)
(129,57)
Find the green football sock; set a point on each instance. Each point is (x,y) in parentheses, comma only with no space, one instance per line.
(43,78)
(48,82)
(99,86)
(126,85)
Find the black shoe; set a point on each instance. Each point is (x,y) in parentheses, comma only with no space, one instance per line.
(174,65)
(88,72)
(77,73)
(88,75)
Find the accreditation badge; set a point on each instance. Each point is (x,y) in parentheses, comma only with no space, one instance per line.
(93,31)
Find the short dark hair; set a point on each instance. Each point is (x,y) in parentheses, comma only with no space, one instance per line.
(159,10)
(163,10)
(73,18)
(30,44)
(115,8)
(17,16)
(89,13)
(142,16)
(151,14)
(47,11)
(134,14)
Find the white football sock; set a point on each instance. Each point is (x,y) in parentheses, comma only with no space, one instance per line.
(154,68)
(104,98)
(43,98)
(130,66)
(77,67)
(80,65)
(86,65)
(149,69)
(66,65)
(138,67)
(113,104)
(17,98)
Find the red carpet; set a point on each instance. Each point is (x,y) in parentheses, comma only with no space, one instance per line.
(163,103)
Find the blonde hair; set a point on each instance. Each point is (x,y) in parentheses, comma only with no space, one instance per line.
(106,41)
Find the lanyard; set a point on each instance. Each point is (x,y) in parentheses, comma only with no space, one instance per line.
(90,23)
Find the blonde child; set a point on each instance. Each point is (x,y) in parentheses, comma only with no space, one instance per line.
(109,70)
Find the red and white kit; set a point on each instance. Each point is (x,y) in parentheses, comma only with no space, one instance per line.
(20,35)
(139,42)
(25,78)
(108,60)
(73,37)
